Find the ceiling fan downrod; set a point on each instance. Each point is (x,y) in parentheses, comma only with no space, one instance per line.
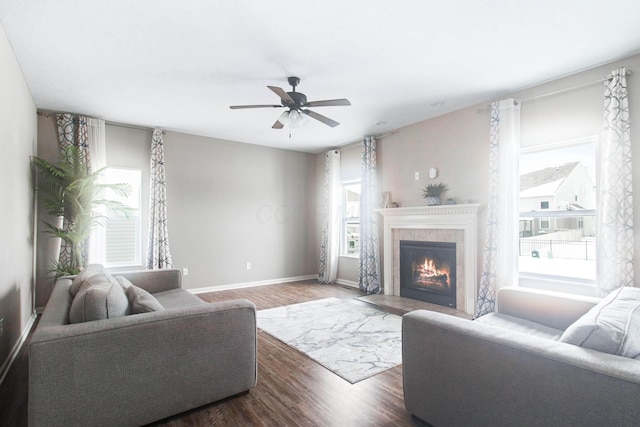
(293,82)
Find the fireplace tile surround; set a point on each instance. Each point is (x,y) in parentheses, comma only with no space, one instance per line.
(443,223)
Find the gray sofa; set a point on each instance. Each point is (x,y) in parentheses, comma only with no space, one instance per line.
(139,368)
(511,368)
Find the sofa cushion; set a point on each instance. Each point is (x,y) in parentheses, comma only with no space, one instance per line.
(517,324)
(612,326)
(177,298)
(99,297)
(86,273)
(142,301)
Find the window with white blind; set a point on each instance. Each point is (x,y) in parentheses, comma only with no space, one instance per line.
(123,233)
(350,219)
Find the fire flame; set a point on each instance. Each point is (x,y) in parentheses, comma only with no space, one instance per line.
(429,273)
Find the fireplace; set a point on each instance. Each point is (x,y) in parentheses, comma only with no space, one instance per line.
(442,223)
(428,271)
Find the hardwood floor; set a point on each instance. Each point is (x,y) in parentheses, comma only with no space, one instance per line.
(292,389)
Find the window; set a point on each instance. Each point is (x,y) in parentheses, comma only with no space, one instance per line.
(350,218)
(123,235)
(557,205)
(544,223)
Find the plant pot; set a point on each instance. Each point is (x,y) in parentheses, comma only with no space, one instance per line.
(432,200)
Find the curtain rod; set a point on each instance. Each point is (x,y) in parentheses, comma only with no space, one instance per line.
(47,113)
(559,91)
(384,135)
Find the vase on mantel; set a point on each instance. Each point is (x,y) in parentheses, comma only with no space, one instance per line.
(433,200)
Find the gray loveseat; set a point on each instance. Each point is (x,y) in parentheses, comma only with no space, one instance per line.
(511,368)
(139,368)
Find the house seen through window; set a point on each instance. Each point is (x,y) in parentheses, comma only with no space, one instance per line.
(123,234)
(350,218)
(557,205)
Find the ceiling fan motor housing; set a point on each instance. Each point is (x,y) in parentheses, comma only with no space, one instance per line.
(299,98)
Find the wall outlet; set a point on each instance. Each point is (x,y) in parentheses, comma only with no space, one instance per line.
(416,176)
(248,265)
(185,271)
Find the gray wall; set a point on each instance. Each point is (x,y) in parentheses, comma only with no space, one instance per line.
(232,203)
(229,203)
(18,140)
(457,144)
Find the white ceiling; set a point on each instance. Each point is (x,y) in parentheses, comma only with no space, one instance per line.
(181,64)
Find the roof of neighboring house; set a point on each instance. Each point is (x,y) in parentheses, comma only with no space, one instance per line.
(549,178)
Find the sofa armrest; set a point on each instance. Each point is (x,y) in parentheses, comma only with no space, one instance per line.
(458,372)
(554,309)
(146,367)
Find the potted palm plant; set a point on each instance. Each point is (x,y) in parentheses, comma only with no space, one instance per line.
(432,193)
(72,193)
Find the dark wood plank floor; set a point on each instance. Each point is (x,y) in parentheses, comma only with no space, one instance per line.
(292,389)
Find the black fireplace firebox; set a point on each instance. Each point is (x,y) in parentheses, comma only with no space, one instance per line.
(428,271)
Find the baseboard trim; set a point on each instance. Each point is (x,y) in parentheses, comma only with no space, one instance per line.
(251,284)
(350,283)
(4,370)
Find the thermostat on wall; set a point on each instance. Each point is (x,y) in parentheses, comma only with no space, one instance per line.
(433,172)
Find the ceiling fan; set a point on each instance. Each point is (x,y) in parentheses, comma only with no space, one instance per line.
(296,102)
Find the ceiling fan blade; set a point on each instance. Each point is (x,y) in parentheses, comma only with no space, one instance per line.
(282,94)
(277,125)
(326,120)
(239,107)
(328,103)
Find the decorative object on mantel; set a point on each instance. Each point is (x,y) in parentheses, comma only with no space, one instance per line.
(385,200)
(432,193)
(451,201)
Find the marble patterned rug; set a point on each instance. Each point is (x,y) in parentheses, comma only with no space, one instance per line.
(352,340)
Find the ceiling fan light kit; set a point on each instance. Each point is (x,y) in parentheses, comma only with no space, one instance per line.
(296,102)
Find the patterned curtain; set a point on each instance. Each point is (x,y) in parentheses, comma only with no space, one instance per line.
(72,131)
(330,245)
(158,254)
(615,206)
(369,258)
(500,257)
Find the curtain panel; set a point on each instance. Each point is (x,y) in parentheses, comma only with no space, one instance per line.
(158,253)
(500,255)
(98,153)
(72,132)
(330,243)
(369,257)
(614,229)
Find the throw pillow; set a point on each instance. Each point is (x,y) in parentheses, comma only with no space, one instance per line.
(87,272)
(142,301)
(124,282)
(99,297)
(612,326)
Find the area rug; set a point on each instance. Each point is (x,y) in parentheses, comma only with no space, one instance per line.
(352,340)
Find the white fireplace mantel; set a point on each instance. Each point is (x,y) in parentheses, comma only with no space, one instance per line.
(442,217)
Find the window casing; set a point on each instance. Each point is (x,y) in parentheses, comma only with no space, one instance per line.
(350,230)
(123,234)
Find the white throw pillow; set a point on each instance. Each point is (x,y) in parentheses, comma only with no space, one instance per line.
(612,326)
(86,273)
